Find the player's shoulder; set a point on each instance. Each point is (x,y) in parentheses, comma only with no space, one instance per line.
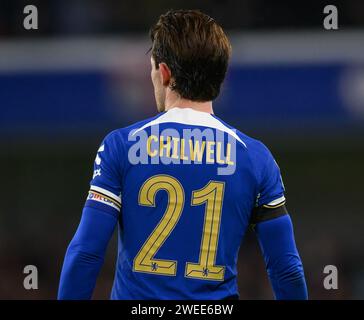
(123,132)
(252,145)
(256,153)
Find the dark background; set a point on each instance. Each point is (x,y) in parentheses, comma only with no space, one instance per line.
(84,72)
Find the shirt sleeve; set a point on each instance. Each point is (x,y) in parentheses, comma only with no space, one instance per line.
(85,254)
(270,200)
(106,184)
(283,263)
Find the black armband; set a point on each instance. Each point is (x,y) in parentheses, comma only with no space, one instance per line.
(264,213)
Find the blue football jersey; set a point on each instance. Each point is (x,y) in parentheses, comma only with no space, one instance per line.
(185,187)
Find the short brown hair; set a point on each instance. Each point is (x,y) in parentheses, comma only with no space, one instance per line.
(196,50)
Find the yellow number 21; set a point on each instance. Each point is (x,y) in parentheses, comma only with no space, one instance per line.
(212,194)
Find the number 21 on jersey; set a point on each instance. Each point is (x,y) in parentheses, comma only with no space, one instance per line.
(211,195)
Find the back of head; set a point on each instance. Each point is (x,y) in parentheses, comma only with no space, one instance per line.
(196,50)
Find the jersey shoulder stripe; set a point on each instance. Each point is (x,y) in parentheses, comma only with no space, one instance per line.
(188,116)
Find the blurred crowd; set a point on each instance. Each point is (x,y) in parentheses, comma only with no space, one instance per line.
(80,17)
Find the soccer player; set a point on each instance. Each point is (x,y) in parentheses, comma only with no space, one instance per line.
(183,187)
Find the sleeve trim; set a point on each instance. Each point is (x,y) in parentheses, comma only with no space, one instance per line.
(276,203)
(101,198)
(107,194)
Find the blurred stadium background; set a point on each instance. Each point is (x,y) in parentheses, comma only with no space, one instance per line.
(84,72)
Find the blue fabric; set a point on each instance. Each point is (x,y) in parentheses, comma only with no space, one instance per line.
(85,254)
(118,180)
(281,257)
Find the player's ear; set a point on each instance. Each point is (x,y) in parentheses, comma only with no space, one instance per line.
(165,73)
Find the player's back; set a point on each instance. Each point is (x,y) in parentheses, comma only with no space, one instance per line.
(189,184)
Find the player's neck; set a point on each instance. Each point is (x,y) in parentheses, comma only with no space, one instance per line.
(178,102)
